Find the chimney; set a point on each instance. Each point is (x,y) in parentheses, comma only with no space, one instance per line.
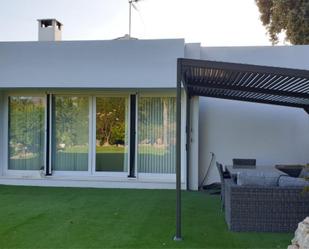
(50,30)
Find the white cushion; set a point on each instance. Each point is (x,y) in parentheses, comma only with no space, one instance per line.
(304,173)
(288,181)
(256,178)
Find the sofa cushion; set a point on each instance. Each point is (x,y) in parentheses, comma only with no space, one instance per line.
(288,181)
(255,178)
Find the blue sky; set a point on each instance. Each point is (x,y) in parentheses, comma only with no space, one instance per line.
(211,22)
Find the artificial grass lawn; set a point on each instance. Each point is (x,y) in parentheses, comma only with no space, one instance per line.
(33,217)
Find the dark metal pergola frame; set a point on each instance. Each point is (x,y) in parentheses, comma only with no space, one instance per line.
(234,81)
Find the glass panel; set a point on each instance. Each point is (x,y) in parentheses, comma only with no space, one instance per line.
(26,133)
(156,135)
(70,133)
(111,135)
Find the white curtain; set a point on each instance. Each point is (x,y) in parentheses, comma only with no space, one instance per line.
(156,135)
(70,143)
(26,133)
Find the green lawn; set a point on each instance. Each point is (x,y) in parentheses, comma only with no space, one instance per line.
(32,217)
(142,149)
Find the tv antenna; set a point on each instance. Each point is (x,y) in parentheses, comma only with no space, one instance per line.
(132,3)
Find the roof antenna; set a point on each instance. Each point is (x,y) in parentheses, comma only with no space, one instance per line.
(131,4)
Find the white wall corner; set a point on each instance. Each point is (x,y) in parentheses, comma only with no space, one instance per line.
(233,129)
(193,50)
(194,145)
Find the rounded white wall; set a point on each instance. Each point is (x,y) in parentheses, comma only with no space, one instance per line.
(234,129)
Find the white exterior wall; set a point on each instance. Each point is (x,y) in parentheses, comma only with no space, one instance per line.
(192,50)
(194,145)
(271,134)
(90,64)
(85,67)
(230,129)
(233,129)
(277,56)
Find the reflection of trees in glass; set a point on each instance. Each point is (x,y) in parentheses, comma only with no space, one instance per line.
(111,140)
(156,135)
(71,114)
(110,121)
(26,128)
(157,117)
(70,133)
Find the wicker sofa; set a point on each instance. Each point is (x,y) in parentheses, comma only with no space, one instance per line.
(264,209)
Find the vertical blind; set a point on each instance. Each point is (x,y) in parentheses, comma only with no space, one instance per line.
(156,135)
(70,141)
(26,133)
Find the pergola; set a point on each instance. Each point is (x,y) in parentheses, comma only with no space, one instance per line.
(234,81)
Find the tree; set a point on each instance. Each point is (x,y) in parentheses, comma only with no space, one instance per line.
(110,120)
(157,119)
(71,120)
(289,16)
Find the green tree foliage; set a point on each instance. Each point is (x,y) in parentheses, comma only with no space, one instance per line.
(289,16)
(71,116)
(157,119)
(26,129)
(111,120)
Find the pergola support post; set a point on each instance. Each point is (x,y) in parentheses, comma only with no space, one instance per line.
(178,155)
(188,137)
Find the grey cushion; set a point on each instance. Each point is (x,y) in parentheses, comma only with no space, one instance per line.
(288,181)
(304,173)
(257,179)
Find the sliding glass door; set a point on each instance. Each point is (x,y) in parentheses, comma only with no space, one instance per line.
(26,134)
(70,133)
(156,135)
(90,134)
(111,154)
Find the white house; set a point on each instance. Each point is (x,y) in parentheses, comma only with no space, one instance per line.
(103,113)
